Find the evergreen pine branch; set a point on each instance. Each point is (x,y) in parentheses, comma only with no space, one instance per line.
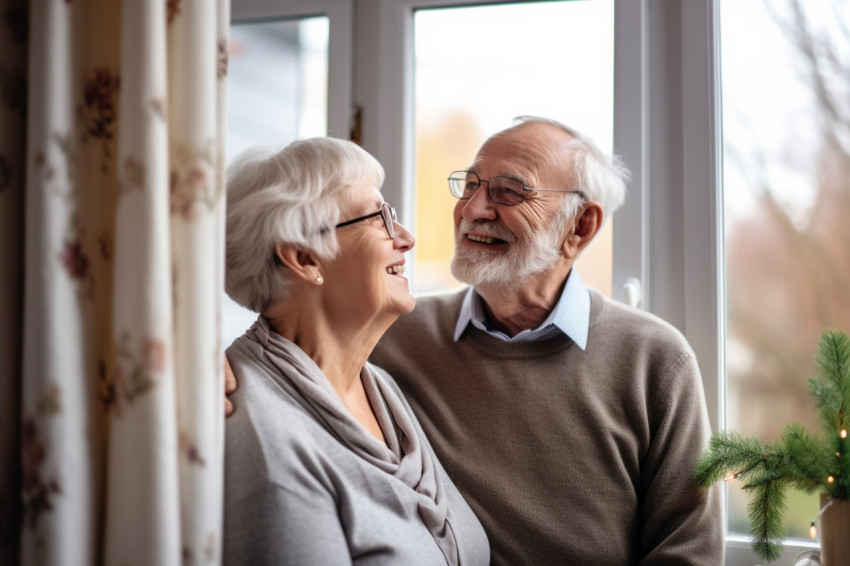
(825,395)
(831,389)
(799,459)
(765,511)
(807,458)
(729,453)
(833,360)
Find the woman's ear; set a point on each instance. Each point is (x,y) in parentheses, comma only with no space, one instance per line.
(303,264)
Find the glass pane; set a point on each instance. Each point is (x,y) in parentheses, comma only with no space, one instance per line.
(476,69)
(277,91)
(277,82)
(786,156)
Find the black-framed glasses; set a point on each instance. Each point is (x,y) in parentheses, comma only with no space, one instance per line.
(501,189)
(387,213)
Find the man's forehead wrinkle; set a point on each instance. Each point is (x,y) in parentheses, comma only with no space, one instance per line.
(514,157)
(537,153)
(551,151)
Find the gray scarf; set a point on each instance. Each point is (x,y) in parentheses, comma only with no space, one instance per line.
(404,455)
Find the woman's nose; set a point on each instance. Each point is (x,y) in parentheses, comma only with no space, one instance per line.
(404,239)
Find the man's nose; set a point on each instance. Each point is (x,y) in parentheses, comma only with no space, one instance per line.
(480,206)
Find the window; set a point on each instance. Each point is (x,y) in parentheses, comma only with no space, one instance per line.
(277,82)
(478,67)
(786,163)
(671,60)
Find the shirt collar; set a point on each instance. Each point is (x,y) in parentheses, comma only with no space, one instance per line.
(571,315)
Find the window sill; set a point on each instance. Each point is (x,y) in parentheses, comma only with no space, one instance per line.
(739,553)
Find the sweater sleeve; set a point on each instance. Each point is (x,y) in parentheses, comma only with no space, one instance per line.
(292,530)
(681,522)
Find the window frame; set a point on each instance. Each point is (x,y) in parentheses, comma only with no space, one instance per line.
(667,128)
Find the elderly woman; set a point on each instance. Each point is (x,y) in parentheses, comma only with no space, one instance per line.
(325,462)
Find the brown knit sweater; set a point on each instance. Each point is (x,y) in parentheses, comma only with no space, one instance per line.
(566,456)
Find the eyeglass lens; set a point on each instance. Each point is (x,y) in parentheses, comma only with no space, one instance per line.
(389,216)
(502,190)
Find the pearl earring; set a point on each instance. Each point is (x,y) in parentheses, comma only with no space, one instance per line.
(320,279)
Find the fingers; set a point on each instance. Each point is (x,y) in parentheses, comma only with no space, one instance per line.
(229,378)
(229,387)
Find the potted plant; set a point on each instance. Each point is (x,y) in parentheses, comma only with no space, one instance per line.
(811,463)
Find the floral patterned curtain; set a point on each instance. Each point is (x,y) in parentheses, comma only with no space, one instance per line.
(117,170)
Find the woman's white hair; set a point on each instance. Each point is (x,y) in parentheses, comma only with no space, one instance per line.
(601,178)
(290,196)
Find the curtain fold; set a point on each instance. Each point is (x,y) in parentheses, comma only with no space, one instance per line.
(196,147)
(63,301)
(142,511)
(120,422)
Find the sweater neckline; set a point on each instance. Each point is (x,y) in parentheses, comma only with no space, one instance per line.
(506,349)
(521,350)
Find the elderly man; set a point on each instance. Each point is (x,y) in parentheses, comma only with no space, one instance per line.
(569,422)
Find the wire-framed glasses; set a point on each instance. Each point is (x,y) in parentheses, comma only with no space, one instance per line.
(387,213)
(501,189)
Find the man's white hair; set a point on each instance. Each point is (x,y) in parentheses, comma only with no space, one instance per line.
(600,177)
(288,196)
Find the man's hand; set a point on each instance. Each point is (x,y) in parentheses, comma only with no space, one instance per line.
(229,387)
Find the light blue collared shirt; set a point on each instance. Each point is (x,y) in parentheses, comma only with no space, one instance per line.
(571,316)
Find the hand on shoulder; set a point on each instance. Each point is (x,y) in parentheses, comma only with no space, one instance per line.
(230,385)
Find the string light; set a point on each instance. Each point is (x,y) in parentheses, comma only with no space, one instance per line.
(813,530)
(830,479)
(843,433)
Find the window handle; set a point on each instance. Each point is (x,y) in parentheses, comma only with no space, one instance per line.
(633,293)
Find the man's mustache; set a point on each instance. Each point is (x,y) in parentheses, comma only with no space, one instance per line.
(487,228)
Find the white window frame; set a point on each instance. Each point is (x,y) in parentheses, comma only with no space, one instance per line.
(667,129)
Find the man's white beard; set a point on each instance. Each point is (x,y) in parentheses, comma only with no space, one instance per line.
(509,267)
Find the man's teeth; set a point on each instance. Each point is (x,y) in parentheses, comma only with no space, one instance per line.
(482,239)
(396,269)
